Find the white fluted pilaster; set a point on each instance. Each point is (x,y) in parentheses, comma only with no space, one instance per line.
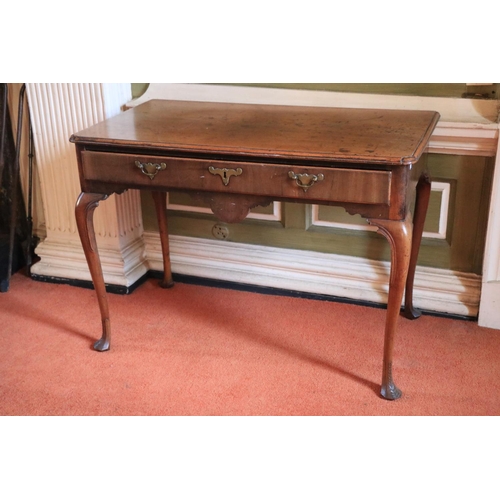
(57,111)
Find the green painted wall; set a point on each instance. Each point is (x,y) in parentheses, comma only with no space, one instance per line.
(138,89)
(469,179)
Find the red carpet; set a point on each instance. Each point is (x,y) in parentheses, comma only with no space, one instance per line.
(195,350)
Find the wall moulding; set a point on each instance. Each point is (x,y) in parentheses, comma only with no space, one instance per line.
(442,187)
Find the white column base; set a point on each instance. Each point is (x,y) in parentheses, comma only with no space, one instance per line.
(64,259)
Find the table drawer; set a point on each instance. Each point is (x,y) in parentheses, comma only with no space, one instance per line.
(343,184)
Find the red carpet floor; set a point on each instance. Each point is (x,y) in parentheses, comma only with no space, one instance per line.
(195,350)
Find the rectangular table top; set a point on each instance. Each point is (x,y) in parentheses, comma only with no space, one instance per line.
(393,137)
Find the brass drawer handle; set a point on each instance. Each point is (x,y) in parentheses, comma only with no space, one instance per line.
(225,173)
(150,169)
(305,181)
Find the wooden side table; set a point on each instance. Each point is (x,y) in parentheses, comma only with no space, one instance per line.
(238,156)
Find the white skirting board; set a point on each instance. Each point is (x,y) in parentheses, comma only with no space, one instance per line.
(341,276)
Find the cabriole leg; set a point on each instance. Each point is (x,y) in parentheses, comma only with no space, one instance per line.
(399,234)
(423,194)
(84,211)
(160,200)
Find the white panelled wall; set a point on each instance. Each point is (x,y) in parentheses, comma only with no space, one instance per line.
(58,110)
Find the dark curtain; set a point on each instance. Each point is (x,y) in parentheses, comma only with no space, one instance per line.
(8,183)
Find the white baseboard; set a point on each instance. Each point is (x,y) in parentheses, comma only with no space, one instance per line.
(333,275)
(355,278)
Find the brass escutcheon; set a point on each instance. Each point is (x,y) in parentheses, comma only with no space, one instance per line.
(305,181)
(225,173)
(150,169)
